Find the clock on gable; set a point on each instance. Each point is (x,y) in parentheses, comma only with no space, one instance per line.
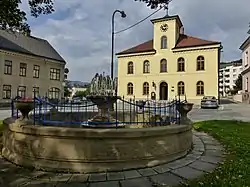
(164,27)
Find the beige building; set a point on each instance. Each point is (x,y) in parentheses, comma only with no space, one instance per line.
(170,64)
(245,47)
(27,65)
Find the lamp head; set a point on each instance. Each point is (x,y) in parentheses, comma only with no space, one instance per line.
(123,14)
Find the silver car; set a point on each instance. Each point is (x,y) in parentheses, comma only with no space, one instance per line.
(209,102)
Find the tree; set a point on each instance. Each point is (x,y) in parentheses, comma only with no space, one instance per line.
(155,3)
(14,19)
(238,83)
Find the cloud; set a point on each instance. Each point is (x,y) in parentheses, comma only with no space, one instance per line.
(81,30)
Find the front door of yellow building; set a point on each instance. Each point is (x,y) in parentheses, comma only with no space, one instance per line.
(163,91)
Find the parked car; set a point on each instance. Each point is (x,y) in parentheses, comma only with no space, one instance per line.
(209,102)
(76,100)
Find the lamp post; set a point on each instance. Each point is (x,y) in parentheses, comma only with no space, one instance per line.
(123,15)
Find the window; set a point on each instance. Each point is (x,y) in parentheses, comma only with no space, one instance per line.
(246,84)
(130,68)
(130,89)
(23,69)
(200,88)
(8,67)
(163,67)
(181,88)
(35,91)
(181,64)
(6,91)
(54,74)
(146,67)
(200,63)
(21,92)
(246,59)
(145,88)
(234,70)
(36,71)
(54,93)
(164,42)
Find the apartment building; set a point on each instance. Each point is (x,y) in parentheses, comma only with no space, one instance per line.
(228,74)
(29,65)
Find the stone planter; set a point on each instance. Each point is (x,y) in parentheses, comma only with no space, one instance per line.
(183,109)
(24,107)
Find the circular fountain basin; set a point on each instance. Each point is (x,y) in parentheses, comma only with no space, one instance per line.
(87,150)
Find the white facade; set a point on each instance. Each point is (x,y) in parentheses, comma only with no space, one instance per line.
(227,78)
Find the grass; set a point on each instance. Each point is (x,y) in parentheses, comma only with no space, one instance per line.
(235,171)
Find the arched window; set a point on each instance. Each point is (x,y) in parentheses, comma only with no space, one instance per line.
(54,93)
(200,63)
(163,67)
(146,66)
(181,64)
(130,68)
(181,88)
(145,88)
(164,42)
(130,89)
(200,88)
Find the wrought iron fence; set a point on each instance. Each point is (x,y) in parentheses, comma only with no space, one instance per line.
(125,111)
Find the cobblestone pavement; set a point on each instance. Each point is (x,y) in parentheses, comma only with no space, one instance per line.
(205,157)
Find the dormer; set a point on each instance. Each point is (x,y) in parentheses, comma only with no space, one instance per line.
(166,32)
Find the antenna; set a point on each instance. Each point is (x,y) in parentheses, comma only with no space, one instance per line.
(166,7)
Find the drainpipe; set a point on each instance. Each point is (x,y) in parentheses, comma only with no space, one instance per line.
(218,71)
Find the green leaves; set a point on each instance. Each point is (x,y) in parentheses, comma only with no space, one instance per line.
(14,19)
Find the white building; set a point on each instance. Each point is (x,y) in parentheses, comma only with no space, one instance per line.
(229,73)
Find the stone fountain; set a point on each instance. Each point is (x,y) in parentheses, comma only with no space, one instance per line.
(102,94)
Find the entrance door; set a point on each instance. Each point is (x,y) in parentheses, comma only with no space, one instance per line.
(163,91)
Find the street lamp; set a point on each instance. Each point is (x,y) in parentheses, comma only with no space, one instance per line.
(123,15)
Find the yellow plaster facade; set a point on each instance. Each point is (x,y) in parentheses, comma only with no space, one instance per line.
(190,77)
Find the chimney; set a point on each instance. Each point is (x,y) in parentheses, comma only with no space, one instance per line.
(182,30)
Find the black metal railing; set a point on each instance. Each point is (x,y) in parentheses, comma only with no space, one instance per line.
(125,111)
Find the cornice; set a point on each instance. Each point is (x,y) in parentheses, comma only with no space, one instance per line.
(31,57)
(136,54)
(195,49)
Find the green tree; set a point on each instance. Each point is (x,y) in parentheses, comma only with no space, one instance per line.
(238,83)
(14,19)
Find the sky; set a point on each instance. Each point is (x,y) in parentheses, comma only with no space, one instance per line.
(80,30)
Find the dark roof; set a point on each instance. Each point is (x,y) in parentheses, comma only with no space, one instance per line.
(183,42)
(165,18)
(232,63)
(17,42)
(245,43)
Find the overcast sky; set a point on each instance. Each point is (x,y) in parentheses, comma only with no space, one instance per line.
(80,29)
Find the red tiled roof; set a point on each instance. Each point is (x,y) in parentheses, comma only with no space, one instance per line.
(183,41)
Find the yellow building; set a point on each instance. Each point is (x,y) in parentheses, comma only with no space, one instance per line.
(169,65)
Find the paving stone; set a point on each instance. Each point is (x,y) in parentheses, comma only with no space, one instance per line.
(214,147)
(217,153)
(187,172)
(204,166)
(97,177)
(105,184)
(147,172)
(19,181)
(162,168)
(199,148)
(61,177)
(139,182)
(211,142)
(165,179)
(131,174)
(180,163)
(34,174)
(211,159)
(79,178)
(199,133)
(73,184)
(40,184)
(193,156)
(115,176)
